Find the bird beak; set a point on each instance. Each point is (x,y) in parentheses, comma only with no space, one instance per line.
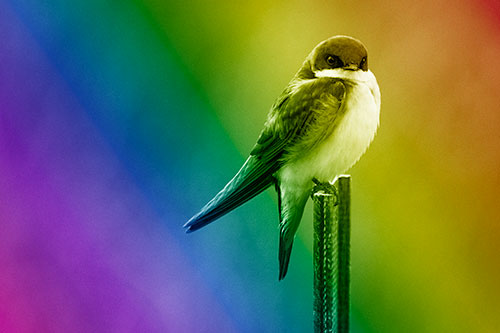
(351,67)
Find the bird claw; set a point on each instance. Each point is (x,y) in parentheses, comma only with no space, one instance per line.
(325,187)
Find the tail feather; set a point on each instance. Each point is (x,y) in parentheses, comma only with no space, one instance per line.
(291,207)
(253,178)
(285,250)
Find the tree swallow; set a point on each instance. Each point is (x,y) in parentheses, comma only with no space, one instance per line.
(320,125)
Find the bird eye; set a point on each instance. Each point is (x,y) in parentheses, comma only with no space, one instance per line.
(333,61)
(363,62)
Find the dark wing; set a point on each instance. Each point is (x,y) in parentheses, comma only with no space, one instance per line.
(289,117)
(297,120)
(306,117)
(253,178)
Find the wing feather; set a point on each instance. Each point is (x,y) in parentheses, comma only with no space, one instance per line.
(298,113)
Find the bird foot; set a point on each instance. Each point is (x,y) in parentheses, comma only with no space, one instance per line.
(324,188)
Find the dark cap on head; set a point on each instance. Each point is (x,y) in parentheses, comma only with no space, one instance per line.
(335,52)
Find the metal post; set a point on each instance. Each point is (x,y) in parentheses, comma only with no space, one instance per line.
(331,256)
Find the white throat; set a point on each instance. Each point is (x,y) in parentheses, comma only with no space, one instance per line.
(352,136)
(359,76)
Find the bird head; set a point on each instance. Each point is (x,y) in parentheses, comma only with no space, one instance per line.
(338,52)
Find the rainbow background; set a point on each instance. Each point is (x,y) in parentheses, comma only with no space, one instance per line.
(120,119)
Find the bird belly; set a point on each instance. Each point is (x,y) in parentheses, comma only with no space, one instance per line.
(338,152)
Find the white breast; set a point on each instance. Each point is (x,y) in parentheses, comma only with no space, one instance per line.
(337,153)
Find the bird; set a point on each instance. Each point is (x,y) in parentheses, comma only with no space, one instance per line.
(320,125)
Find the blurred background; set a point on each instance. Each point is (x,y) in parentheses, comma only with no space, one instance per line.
(120,119)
